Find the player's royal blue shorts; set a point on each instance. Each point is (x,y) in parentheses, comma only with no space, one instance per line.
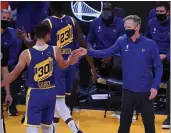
(40,105)
(65,80)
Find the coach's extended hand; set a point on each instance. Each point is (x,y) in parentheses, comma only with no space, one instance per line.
(80,52)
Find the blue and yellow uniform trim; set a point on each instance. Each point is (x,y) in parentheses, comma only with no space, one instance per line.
(26,114)
(28,102)
(49,22)
(29,54)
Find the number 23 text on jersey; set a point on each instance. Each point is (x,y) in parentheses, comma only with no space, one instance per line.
(65,36)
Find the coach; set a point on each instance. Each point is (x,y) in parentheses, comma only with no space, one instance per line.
(139,55)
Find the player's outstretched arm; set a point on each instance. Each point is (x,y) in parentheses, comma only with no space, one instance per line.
(72,59)
(17,70)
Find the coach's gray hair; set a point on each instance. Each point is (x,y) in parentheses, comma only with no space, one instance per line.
(135,18)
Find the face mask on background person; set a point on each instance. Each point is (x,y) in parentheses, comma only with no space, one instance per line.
(161,17)
(106,15)
(4,24)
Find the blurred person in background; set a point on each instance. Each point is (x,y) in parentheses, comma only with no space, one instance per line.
(5,92)
(166,122)
(159,30)
(5,5)
(152,14)
(103,33)
(14,44)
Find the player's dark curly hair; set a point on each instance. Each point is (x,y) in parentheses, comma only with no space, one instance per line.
(41,30)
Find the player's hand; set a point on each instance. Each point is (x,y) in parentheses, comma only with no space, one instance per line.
(106,61)
(80,51)
(73,58)
(153,93)
(21,33)
(28,37)
(94,74)
(8,99)
(162,56)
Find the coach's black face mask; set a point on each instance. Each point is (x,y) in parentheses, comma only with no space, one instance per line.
(129,32)
(4,24)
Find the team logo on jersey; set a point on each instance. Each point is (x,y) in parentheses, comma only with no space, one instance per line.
(87,11)
(48,54)
(154,31)
(127,48)
(143,49)
(99,29)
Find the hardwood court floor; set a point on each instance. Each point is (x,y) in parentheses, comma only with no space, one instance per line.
(89,121)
